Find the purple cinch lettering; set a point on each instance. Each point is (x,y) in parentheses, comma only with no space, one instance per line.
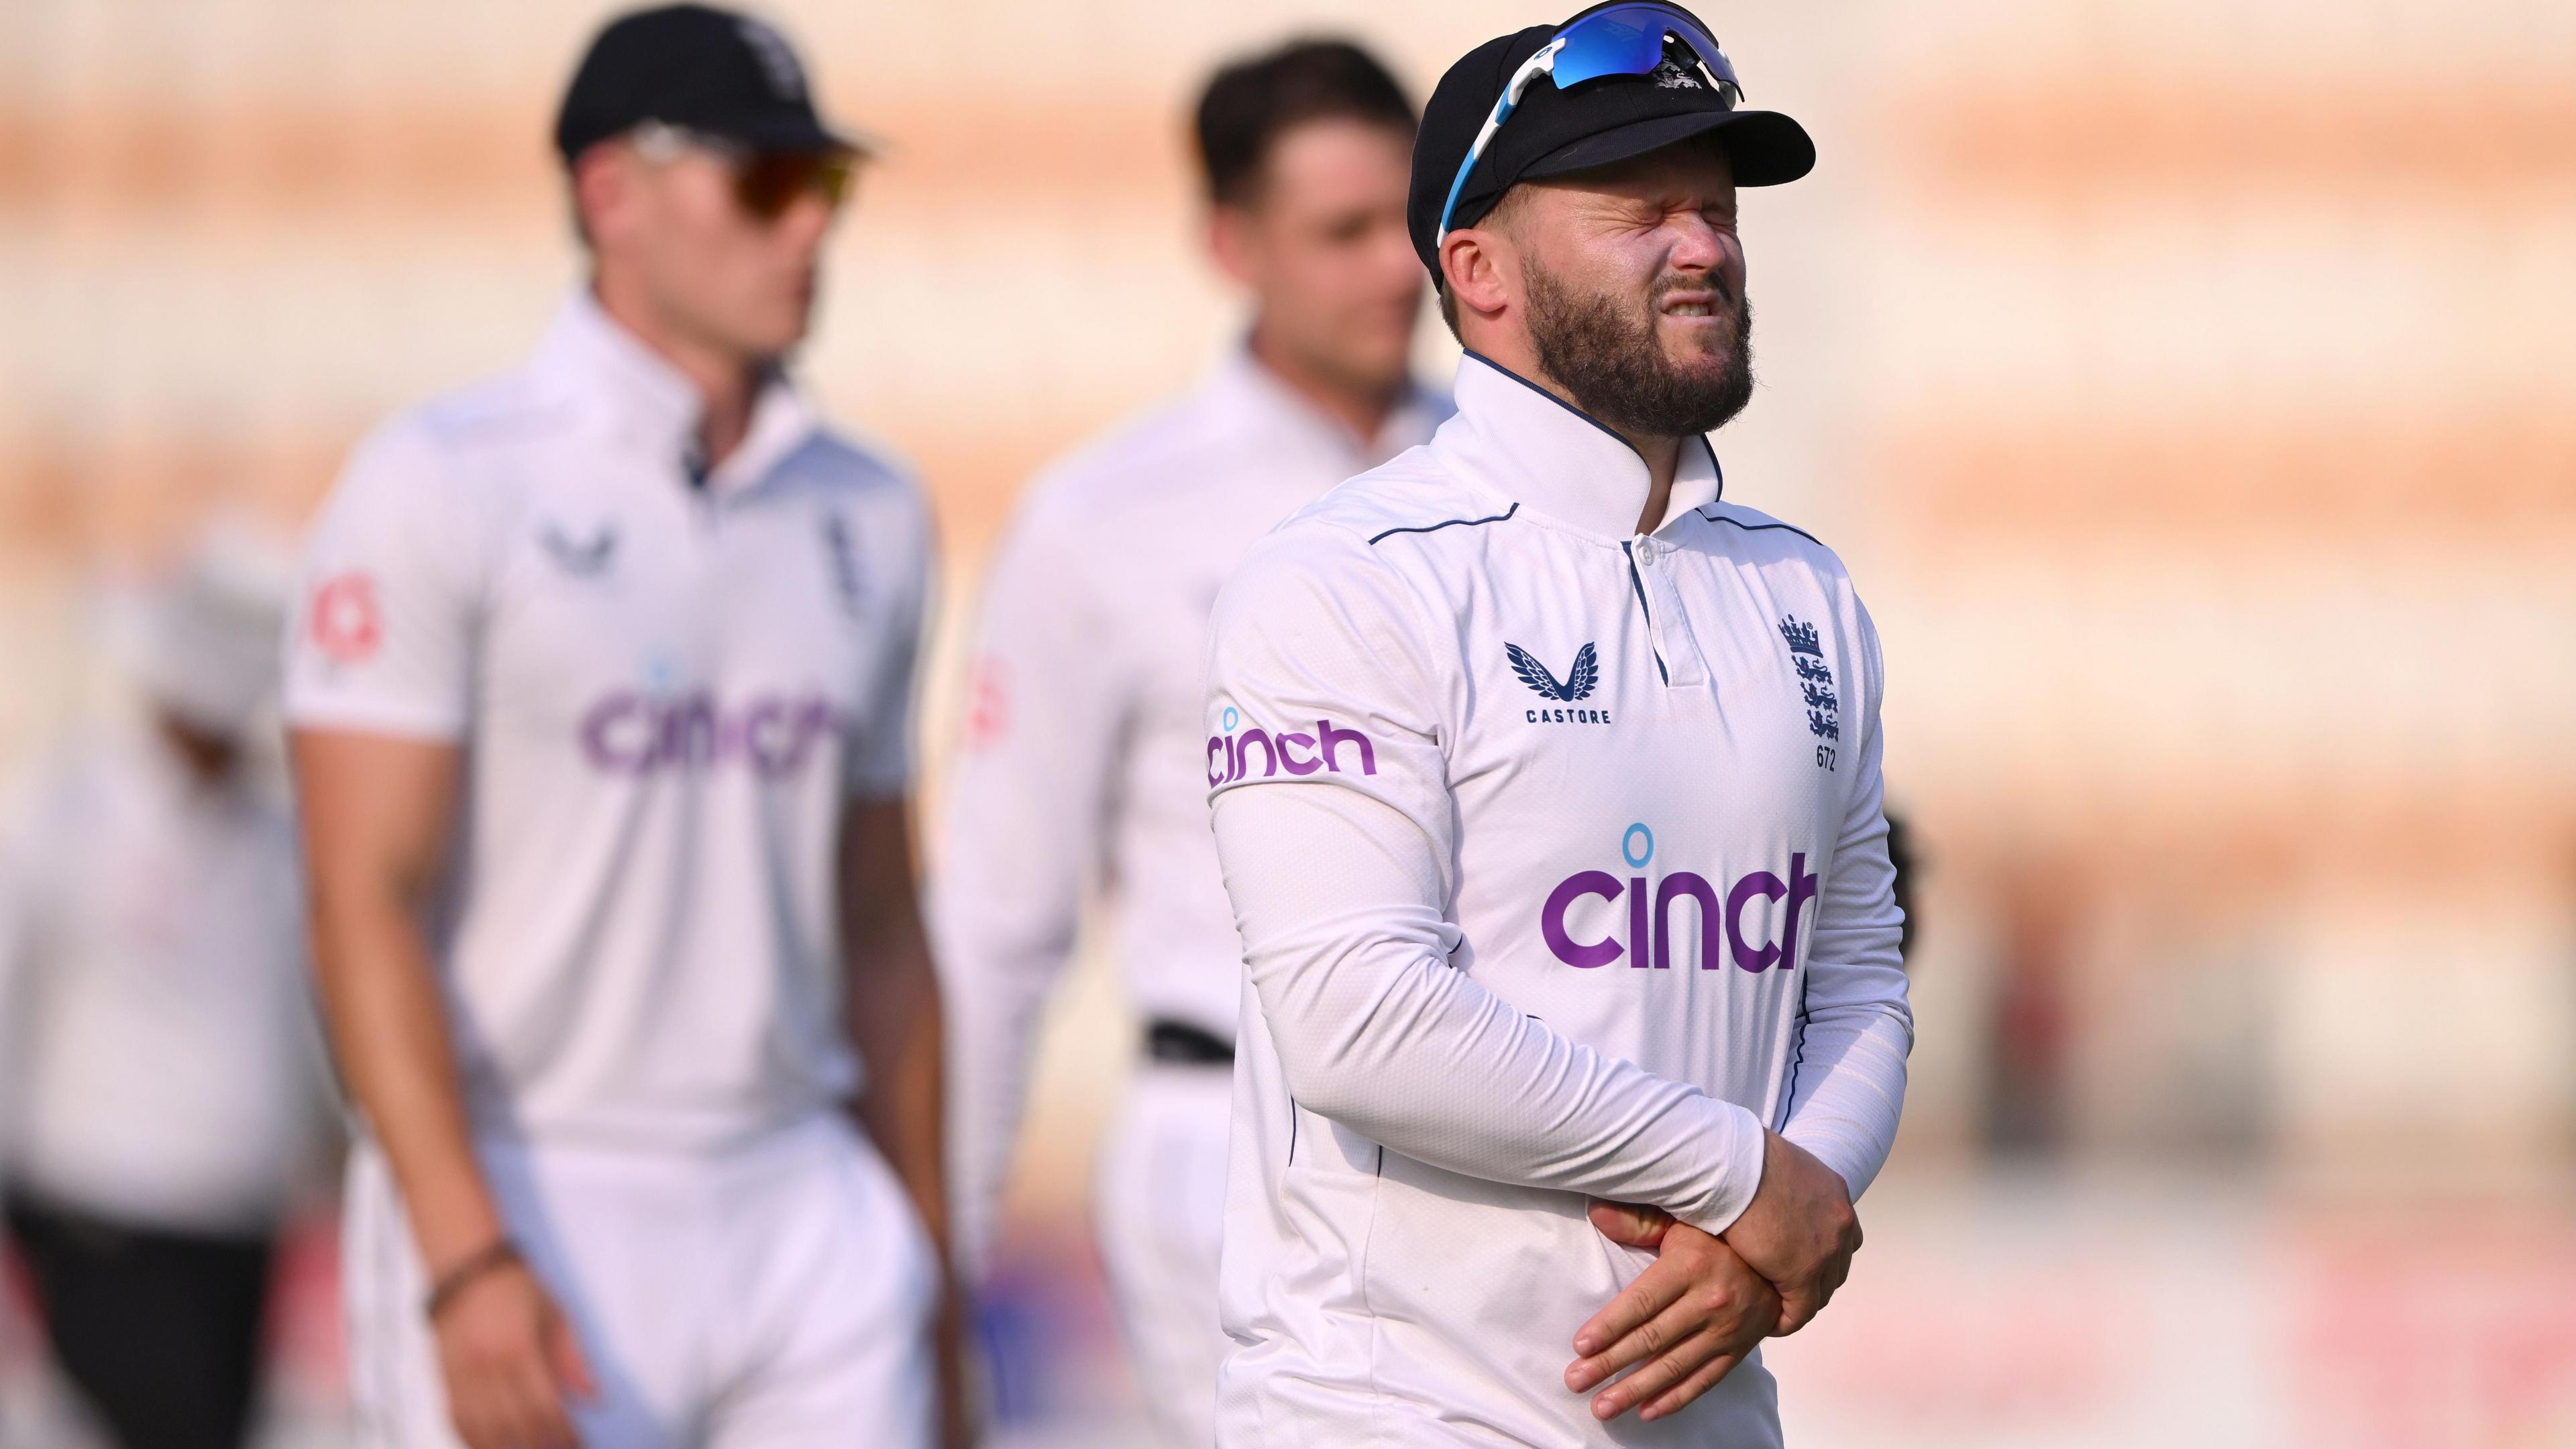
(758,731)
(603,751)
(1759,883)
(1695,886)
(1295,765)
(1332,738)
(1551,920)
(1269,751)
(1218,753)
(689,731)
(1637,922)
(1802,889)
(773,735)
(816,718)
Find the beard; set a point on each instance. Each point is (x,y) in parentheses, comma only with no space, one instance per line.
(1603,348)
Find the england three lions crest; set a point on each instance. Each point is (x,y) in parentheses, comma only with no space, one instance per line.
(1815,689)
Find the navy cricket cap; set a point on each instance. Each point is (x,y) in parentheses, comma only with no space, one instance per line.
(698,68)
(1594,123)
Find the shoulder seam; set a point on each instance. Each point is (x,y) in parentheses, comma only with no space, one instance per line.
(1447,523)
(1760,527)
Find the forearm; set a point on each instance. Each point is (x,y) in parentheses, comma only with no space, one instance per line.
(390,1037)
(992,999)
(1849,1090)
(1375,1031)
(894,1021)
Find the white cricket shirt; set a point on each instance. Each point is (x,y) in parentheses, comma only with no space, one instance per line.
(1072,786)
(1559,863)
(157,1051)
(666,694)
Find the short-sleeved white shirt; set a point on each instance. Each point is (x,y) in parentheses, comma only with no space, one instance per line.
(665,690)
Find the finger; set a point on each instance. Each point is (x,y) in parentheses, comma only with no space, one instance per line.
(1629,1224)
(1704,1378)
(1657,1374)
(470,1407)
(472,1424)
(564,1356)
(1651,1293)
(1797,1306)
(1673,1326)
(540,1420)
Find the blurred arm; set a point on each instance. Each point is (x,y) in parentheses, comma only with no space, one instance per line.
(893,1011)
(375,812)
(1024,825)
(23,890)
(893,1003)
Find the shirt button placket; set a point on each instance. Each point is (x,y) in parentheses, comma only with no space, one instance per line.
(1674,640)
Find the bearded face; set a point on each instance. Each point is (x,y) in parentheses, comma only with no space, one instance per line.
(1611,348)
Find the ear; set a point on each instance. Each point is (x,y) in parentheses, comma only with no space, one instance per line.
(1231,241)
(1482,269)
(604,191)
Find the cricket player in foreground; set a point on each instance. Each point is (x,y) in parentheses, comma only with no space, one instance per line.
(1074,782)
(1546,783)
(604,673)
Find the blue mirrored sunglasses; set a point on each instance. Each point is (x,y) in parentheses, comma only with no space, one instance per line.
(1622,40)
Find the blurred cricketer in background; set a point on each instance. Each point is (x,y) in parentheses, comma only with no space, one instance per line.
(599,702)
(1079,775)
(161,1101)
(1546,781)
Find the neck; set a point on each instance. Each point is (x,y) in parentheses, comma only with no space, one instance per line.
(209,757)
(725,379)
(1361,409)
(1661,454)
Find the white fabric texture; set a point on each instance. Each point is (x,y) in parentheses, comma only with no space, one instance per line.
(1558,859)
(770,1295)
(1073,793)
(668,694)
(1160,1199)
(158,1065)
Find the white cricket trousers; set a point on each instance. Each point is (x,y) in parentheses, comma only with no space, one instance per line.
(775,1295)
(1161,1209)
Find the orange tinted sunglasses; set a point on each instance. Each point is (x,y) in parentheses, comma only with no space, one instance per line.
(765,183)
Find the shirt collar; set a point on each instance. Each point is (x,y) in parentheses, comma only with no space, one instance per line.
(647,402)
(1539,450)
(1251,393)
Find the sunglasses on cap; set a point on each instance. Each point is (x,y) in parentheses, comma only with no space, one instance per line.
(765,183)
(1621,40)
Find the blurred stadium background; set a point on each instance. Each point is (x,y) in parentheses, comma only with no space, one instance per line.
(2190,383)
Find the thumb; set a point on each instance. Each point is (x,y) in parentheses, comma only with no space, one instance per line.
(563,1355)
(1629,1224)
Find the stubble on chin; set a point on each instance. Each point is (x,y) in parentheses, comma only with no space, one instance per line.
(1610,353)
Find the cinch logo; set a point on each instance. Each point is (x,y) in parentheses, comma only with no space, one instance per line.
(1230,755)
(633,733)
(1650,918)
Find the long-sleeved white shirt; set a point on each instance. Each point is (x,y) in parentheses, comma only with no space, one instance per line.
(1072,787)
(158,1061)
(1558,859)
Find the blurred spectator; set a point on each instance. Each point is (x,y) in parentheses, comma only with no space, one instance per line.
(158,1090)
(1900,856)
